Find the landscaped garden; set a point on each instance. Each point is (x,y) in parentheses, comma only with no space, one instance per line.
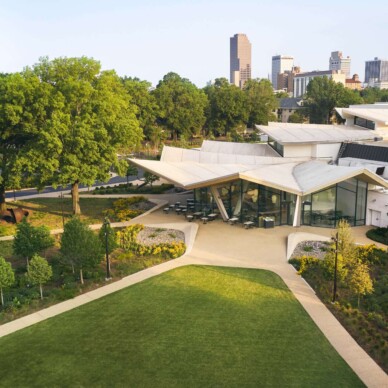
(195,326)
(74,262)
(361,302)
(51,212)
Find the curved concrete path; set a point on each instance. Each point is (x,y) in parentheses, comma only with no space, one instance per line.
(220,244)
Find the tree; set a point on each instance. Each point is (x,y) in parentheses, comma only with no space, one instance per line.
(181,106)
(26,148)
(7,276)
(297,117)
(360,281)
(150,178)
(323,95)
(261,101)
(131,171)
(30,240)
(80,247)
(39,272)
(145,102)
(94,118)
(227,108)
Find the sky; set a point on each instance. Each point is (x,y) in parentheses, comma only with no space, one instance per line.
(149,38)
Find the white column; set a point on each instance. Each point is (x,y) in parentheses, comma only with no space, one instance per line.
(219,203)
(298,211)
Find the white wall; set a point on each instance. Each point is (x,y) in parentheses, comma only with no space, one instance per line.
(291,151)
(326,150)
(378,203)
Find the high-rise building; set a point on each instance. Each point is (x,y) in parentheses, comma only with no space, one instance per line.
(340,63)
(280,64)
(240,59)
(376,73)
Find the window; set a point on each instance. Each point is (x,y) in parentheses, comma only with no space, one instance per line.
(364,123)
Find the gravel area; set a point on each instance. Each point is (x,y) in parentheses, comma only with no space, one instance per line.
(318,249)
(150,236)
(143,205)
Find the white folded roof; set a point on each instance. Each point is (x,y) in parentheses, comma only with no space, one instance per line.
(288,133)
(374,112)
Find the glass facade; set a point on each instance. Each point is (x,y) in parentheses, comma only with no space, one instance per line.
(267,206)
(346,200)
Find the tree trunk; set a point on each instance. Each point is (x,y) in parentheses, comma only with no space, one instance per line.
(2,298)
(81,276)
(75,197)
(3,205)
(41,291)
(72,268)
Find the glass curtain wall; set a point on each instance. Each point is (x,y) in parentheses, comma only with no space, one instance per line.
(252,202)
(346,200)
(203,200)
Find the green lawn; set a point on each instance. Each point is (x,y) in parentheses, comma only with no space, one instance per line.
(195,326)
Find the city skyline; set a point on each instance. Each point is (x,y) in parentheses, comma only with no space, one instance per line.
(150,39)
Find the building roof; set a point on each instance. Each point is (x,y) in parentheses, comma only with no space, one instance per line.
(299,178)
(290,103)
(290,133)
(231,148)
(365,152)
(374,112)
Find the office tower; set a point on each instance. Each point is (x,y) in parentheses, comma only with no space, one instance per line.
(340,63)
(240,59)
(280,64)
(376,72)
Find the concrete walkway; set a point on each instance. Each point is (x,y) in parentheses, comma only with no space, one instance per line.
(220,244)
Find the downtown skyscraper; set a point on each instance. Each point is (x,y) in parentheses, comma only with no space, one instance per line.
(240,60)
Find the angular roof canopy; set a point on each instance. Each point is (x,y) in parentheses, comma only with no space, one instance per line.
(374,112)
(289,133)
(299,178)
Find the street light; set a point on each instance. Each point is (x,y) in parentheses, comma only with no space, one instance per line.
(335,239)
(106,225)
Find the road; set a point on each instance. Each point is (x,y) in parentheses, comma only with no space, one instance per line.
(50,189)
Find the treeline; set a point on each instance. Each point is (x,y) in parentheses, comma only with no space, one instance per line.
(323,95)
(63,121)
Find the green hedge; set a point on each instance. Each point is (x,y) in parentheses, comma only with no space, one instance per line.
(380,235)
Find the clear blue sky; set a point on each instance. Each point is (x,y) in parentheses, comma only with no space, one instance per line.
(149,38)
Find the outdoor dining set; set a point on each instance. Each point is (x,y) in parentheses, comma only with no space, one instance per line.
(189,211)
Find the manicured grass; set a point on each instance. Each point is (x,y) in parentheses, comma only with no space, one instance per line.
(194,326)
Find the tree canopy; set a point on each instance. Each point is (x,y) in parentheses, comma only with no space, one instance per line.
(227,109)
(94,118)
(7,276)
(323,95)
(181,106)
(27,151)
(261,101)
(39,272)
(80,247)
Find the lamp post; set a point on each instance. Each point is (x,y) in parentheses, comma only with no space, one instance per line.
(335,239)
(106,225)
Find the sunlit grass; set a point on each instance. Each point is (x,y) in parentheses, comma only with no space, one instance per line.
(195,326)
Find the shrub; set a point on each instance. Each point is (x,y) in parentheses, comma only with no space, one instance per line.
(308,248)
(303,263)
(379,234)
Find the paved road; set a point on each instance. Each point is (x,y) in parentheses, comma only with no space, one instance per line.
(50,189)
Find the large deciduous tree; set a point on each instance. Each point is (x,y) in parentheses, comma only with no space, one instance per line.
(147,107)
(227,108)
(323,95)
(94,119)
(261,101)
(27,149)
(181,106)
